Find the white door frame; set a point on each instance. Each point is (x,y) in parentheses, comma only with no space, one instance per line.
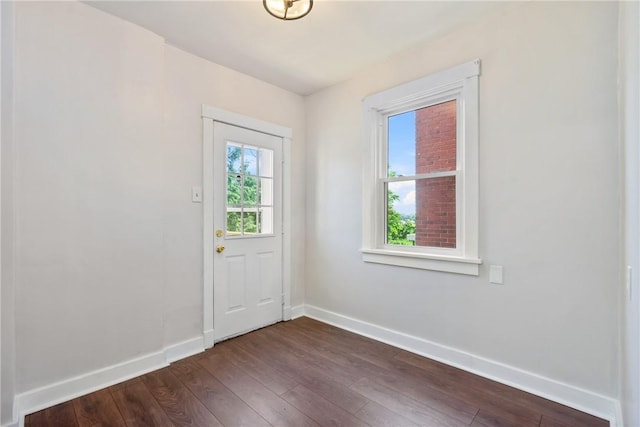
(209,116)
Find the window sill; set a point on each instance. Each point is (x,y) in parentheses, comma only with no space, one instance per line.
(448,264)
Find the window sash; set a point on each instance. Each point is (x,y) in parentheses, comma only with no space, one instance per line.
(421,248)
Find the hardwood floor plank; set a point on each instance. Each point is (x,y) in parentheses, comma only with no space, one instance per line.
(487,419)
(138,406)
(319,409)
(275,380)
(312,362)
(59,415)
(225,405)
(550,422)
(311,378)
(555,410)
(369,348)
(393,377)
(321,350)
(265,402)
(417,412)
(476,391)
(180,405)
(97,408)
(377,415)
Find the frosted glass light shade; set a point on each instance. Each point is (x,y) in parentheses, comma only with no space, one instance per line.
(288,9)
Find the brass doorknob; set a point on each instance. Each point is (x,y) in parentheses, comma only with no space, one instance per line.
(219,248)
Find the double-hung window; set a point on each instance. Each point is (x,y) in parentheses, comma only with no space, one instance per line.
(421,173)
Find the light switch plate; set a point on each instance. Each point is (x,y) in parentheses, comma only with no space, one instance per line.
(495,274)
(196,194)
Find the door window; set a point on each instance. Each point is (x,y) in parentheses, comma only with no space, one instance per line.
(249,191)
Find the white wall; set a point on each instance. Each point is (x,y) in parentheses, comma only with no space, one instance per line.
(191,81)
(88,132)
(7,373)
(108,146)
(549,198)
(630,136)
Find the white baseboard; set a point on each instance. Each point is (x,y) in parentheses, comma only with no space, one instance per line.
(184,349)
(297,311)
(53,394)
(565,394)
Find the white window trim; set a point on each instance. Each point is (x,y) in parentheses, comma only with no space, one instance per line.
(459,83)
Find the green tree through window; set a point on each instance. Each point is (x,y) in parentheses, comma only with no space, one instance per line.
(398,226)
(242,191)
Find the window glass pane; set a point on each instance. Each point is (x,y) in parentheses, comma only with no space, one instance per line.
(423,140)
(250,161)
(266,220)
(234,223)
(422,212)
(250,221)
(402,144)
(250,191)
(265,162)
(233,157)
(401,213)
(266,191)
(436,138)
(435,201)
(234,187)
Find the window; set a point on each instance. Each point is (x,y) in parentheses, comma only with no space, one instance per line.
(421,177)
(249,190)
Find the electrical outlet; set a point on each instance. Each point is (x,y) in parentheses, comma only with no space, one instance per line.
(495,274)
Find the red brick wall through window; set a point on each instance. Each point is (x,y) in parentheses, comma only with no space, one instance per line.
(436,197)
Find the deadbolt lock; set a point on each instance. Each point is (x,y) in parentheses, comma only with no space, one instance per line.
(218,233)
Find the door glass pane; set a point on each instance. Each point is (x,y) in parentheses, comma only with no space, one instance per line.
(266,163)
(249,190)
(250,161)
(234,190)
(234,223)
(266,191)
(266,220)
(234,160)
(250,222)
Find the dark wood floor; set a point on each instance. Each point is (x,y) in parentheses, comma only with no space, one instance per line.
(306,373)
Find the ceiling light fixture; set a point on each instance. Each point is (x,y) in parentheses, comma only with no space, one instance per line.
(288,10)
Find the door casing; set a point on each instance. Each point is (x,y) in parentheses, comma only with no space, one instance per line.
(209,116)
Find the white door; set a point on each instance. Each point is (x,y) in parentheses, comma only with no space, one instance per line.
(247,219)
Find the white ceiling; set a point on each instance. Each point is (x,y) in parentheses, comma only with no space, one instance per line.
(335,41)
